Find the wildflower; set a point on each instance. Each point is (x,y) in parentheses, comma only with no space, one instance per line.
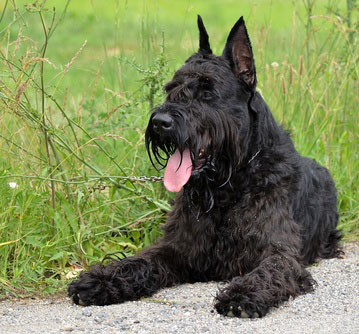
(13,185)
(275,65)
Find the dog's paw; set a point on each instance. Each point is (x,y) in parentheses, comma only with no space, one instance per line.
(77,294)
(84,292)
(90,289)
(235,309)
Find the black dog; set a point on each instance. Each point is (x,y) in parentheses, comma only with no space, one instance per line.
(250,209)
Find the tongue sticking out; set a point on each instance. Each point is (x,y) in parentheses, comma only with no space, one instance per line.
(178,172)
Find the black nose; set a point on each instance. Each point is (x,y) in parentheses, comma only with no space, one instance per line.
(162,123)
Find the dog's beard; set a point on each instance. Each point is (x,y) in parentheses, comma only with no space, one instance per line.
(199,163)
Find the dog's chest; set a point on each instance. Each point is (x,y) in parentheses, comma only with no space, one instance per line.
(214,245)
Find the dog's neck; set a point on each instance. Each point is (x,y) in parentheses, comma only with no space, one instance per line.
(207,193)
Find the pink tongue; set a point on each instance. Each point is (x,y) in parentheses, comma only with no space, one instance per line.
(178,172)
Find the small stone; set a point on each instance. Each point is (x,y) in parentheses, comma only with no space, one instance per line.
(68,329)
(125,327)
(98,320)
(86,313)
(102,315)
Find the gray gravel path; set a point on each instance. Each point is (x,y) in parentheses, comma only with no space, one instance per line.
(332,308)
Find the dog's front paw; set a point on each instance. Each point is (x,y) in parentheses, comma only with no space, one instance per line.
(92,288)
(236,309)
(232,301)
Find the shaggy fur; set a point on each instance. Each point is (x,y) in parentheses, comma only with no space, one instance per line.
(253,212)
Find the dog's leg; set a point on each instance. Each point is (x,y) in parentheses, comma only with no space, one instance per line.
(128,279)
(277,278)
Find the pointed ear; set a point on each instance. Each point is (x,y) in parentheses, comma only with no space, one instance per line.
(238,52)
(204,46)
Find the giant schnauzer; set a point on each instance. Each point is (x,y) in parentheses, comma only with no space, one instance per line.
(249,210)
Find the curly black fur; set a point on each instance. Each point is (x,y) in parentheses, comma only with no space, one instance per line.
(253,213)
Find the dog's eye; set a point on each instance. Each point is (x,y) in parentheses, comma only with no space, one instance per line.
(207,95)
(205,83)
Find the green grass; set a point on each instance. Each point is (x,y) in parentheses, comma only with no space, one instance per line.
(103,70)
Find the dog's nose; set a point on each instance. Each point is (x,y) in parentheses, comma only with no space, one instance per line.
(162,123)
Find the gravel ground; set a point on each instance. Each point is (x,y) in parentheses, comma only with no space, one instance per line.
(332,308)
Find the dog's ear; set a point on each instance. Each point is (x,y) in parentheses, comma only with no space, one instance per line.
(238,52)
(204,46)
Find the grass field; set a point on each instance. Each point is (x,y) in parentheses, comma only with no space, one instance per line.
(77,84)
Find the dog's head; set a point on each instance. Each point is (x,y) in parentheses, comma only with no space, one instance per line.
(203,129)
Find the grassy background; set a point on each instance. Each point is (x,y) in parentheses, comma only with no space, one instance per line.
(70,146)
